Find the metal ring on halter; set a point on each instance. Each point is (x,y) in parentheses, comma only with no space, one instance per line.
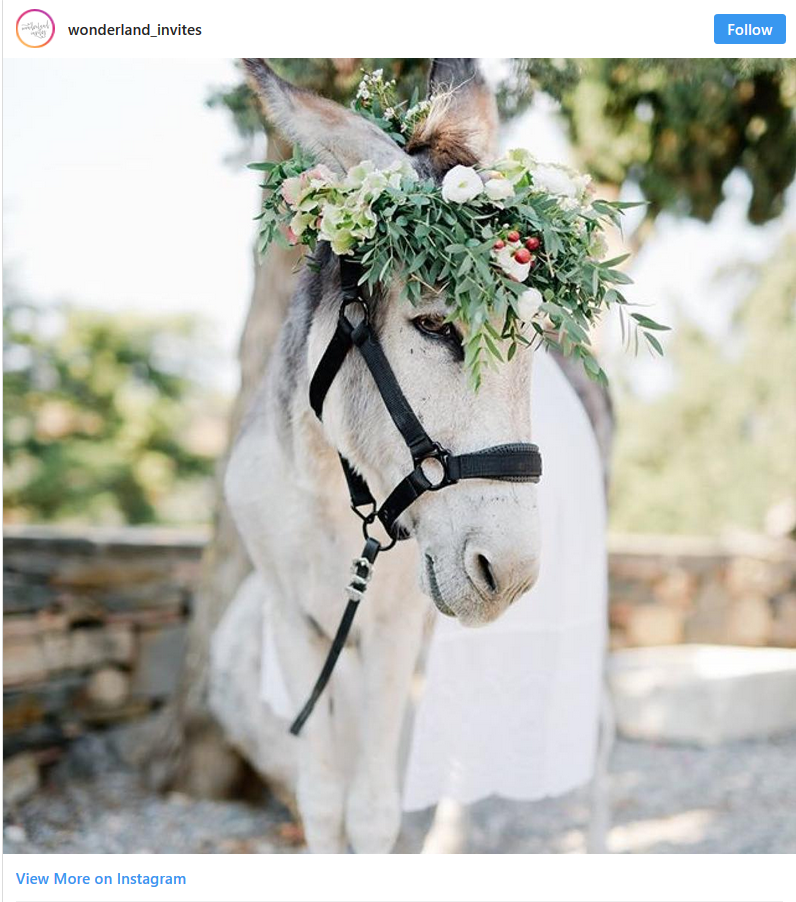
(367,522)
(368,517)
(362,303)
(441,455)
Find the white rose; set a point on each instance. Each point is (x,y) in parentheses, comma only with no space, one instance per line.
(517,271)
(528,304)
(554,181)
(462,183)
(498,189)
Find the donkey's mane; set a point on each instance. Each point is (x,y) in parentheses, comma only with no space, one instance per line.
(308,297)
(441,141)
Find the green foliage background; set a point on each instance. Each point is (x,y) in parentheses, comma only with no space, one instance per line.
(98,415)
(720,447)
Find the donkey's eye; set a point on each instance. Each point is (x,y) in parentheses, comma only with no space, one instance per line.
(438,328)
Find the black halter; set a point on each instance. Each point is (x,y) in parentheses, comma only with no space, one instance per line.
(518,462)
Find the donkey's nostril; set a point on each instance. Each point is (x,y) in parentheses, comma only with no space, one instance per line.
(485,569)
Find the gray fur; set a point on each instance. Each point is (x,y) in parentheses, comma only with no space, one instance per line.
(289,499)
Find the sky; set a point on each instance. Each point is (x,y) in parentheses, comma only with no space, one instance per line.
(120,192)
(117,193)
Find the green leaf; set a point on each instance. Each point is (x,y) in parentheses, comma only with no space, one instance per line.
(654,342)
(605,264)
(592,367)
(492,348)
(618,277)
(648,323)
(466,266)
(419,260)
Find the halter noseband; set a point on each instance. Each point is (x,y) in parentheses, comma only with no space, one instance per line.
(518,462)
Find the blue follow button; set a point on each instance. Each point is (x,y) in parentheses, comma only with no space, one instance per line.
(749,28)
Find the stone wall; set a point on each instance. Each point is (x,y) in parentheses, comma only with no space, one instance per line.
(670,589)
(94,620)
(93,629)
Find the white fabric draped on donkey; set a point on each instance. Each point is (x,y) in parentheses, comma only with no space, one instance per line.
(512,708)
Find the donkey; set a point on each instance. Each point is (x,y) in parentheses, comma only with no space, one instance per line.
(474,548)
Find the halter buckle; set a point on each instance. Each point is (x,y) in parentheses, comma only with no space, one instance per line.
(359,580)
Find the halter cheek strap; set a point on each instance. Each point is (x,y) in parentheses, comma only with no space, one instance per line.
(517,462)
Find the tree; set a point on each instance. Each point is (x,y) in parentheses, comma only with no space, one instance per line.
(731,413)
(678,128)
(674,127)
(98,414)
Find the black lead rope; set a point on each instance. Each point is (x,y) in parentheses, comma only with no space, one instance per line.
(361,571)
(518,462)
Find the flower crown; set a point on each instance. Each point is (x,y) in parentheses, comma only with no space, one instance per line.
(516,247)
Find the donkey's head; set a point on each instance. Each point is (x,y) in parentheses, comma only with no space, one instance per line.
(479,539)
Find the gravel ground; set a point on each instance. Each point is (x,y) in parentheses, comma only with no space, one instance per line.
(739,797)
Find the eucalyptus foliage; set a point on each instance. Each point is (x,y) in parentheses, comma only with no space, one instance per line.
(412,231)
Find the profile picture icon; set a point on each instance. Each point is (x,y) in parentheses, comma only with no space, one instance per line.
(35,28)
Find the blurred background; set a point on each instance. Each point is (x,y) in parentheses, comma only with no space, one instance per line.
(129,277)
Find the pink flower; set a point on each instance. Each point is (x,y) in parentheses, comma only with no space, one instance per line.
(291,190)
(319,173)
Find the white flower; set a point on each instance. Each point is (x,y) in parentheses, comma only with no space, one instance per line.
(414,115)
(300,222)
(554,180)
(513,269)
(462,183)
(584,187)
(389,112)
(528,304)
(498,188)
(291,190)
(516,164)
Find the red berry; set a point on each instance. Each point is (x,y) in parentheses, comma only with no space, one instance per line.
(523,255)
(513,236)
(500,243)
(532,244)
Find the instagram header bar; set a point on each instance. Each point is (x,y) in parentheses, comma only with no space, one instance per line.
(84,29)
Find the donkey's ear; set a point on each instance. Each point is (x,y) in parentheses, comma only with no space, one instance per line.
(331,133)
(462,127)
